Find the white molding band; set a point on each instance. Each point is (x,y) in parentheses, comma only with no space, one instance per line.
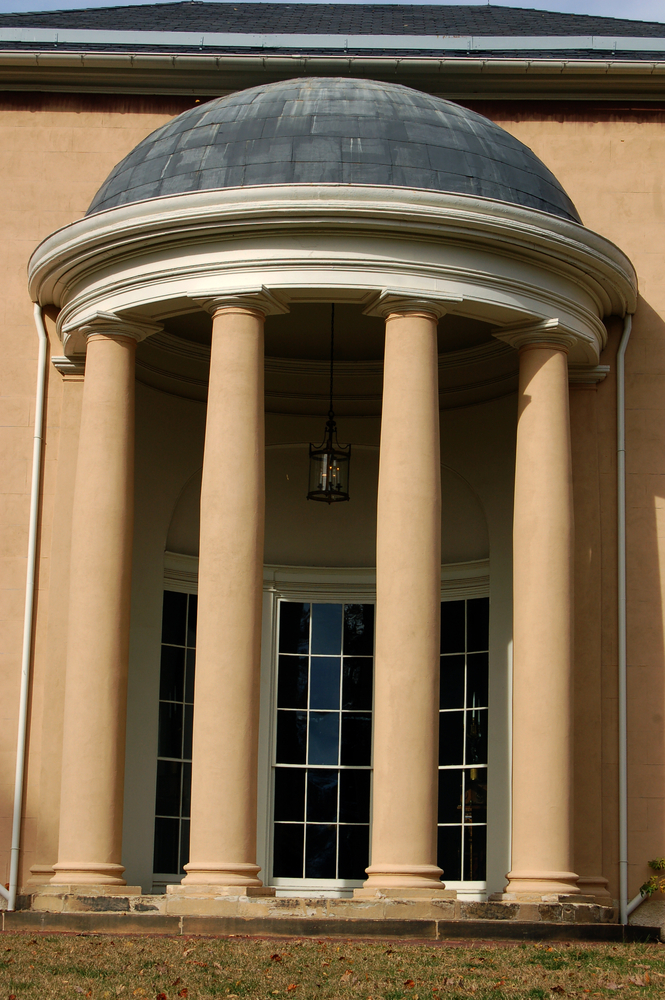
(340,41)
(476,257)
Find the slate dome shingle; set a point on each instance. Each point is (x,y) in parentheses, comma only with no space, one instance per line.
(334,131)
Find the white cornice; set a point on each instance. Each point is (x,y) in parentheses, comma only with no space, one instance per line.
(484,258)
(293,42)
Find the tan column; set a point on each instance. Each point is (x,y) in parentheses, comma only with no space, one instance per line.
(226,714)
(542,594)
(408,572)
(90,841)
(587,739)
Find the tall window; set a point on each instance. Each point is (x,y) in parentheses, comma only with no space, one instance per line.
(174,750)
(462,837)
(322,769)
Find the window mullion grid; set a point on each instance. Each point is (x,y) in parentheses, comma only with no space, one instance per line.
(309,695)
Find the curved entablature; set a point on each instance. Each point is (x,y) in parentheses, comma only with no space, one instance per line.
(483,259)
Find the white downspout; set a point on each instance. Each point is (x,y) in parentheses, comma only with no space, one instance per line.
(621,590)
(28,619)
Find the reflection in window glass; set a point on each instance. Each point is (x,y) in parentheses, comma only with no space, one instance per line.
(323,748)
(462,837)
(174,743)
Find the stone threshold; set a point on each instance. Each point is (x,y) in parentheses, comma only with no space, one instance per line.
(135,922)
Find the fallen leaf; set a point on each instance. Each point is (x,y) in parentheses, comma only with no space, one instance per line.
(276,958)
(291,987)
(409,982)
(79,989)
(161,996)
(176,981)
(613,986)
(183,992)
(558,989)
(187,951)
(637,980)
(218,966)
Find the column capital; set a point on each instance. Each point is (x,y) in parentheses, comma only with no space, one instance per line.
(109,324)
(398,300)
(259,299)
(537,333)
(587,376)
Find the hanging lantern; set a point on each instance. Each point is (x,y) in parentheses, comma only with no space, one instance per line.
(329,461)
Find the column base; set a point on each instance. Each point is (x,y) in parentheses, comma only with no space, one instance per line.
(234,874)
(596,886)
(402,881)
(87,873)
(542,883)
(40,875)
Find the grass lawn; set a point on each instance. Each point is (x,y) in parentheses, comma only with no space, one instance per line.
(163,968)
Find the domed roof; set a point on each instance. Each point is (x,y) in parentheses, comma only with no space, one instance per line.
(334,131)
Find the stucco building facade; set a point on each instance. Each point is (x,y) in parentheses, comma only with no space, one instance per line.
(427,678)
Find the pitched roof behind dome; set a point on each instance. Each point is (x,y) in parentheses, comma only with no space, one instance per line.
(334,131)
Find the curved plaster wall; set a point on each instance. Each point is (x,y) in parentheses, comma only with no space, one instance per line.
(302,533)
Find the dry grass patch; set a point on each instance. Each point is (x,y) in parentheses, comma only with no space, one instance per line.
(162,968)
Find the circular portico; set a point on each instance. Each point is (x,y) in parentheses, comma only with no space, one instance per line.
(413,211)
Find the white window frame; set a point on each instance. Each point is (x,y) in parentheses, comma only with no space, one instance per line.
(351,586)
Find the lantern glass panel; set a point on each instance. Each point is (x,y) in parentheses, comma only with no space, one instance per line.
(329,474)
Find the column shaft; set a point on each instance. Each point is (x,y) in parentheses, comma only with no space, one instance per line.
(98,637)
(542,593)
(225,748)
(408,612)
(587,740)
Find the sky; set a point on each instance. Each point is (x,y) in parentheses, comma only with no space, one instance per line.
(637,10)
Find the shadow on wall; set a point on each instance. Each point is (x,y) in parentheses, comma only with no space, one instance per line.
(645,533)
(300,532)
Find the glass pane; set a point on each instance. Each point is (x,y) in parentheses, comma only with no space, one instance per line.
(357,683)
(323,738)
(165,857)
(327,629)
(287,850)
(186,789)
(169,743)
(191,620)
(289,793)
(451,687)
(475,853)
(450,796)
(356,738)
(189,679)
(167,799)
(293,627)
(477,624)
(477,677)
(354,796)
(476,737)
(189,724)
(320,851)
(353,852)
(452,626)
(322,796)
(358,629)
(184,844)
(475,796)
(292,682)
(449,852)
(324,682)
(291,737)
(451,737)
(174,612)
(172,674)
